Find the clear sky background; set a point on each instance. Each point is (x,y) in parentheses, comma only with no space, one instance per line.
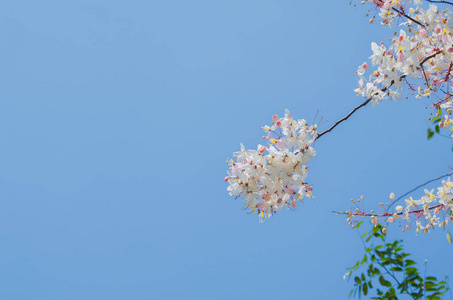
(116,118)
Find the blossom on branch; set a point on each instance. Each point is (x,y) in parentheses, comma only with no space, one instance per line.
(430,211)
(420,57)
(272,177)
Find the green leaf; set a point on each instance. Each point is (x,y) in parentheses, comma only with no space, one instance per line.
(365,259)
(436,120)
(384,282)
(449,237)
(365,289)
(430,133)
(410,263)
(437,128)
(439,110)
(357,280)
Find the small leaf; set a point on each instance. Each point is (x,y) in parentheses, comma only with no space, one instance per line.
(449,237)
(365,289)
(410,263)
(430,133)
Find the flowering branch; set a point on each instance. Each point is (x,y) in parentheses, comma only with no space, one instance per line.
(423,69)
(384,214)
(272,177)
(419,186)
(408,17)
(354,110)
(434,209)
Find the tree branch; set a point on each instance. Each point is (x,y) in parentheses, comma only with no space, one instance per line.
(405,15)
(401,13)
(386,214)
(383,90)
(354,110)
(440,1)
(423,69)
(345,118)
(419,186)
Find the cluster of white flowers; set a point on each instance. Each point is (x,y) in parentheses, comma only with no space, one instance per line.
(423,53)
(432,209)
(273,176)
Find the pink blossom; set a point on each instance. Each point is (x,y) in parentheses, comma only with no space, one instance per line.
(261,205)
(387,6)
(280,144)
(289,190)
(423,32)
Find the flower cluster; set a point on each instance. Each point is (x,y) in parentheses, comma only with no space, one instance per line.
(423,54)
(273,176)
(431,210)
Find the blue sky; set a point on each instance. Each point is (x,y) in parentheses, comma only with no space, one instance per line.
(116,118)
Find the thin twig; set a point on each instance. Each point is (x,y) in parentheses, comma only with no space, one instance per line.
(440,1)
(410,18)
(423,69)
(386,214)
(345,118)
(419,186)
(354,110)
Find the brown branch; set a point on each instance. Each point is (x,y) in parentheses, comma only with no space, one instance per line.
(354,110)
(423,69)
(409,17)
(419,186)
(440,1)
(345,118)
(402,13)
(386,214)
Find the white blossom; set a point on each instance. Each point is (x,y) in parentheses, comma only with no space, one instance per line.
(273,176)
